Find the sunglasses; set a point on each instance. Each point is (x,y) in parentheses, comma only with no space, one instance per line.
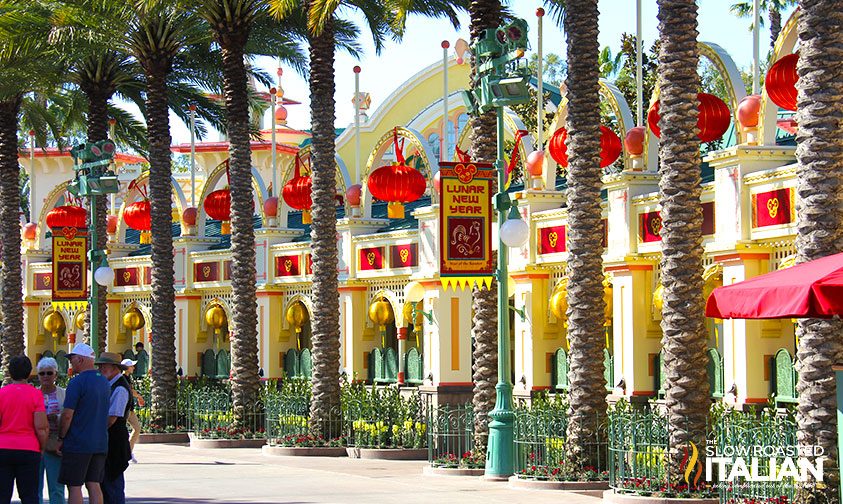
(46,373)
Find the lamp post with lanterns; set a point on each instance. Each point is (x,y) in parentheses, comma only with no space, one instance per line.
(94,178)
(501,79)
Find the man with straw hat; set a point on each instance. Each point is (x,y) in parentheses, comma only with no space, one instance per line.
(119,451)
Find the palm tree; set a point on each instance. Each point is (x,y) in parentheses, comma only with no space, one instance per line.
(484,14)
(158,34)
(24,60)
(683,318)
(774,10)
(819,154)
(587,392)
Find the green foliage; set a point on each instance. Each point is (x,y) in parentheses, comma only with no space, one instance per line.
(382,418)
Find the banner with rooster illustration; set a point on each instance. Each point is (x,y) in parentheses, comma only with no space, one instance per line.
(70,268)
(465,214)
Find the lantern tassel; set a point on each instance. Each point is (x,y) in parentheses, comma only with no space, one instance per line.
(225,228)
(395,210)
(305,217)
(145,237)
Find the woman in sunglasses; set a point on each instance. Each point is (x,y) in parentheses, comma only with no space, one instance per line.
(53,401)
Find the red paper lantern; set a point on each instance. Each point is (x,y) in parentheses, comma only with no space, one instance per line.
(30,231)
(218,206)
(780,82)
(610,147)
(397,184)
(67,216)
(748,110)
(296,193)
(714,118)
(138,216)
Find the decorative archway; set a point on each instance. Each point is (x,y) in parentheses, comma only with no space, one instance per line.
(785,45)
(414,144)
(258,192)
(133,195)
(51,201)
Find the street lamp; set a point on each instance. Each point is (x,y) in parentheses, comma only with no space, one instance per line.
(501,79)
(94,178)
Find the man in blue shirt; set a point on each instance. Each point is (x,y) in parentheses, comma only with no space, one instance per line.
(83,429)
(119,450)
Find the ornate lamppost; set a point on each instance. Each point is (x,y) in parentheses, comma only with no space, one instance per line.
(501,79)
(94,178)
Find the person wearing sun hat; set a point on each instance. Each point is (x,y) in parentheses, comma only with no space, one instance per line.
(129,370)
(119,451)
(83,428)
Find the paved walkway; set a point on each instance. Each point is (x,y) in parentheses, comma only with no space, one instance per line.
(176,474)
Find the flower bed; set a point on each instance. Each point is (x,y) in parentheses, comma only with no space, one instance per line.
(474,459)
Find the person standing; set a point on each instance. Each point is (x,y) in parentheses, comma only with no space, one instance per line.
(141,360)
(83,428)
(119,451)
(23,433)
(129,370)
(47,369)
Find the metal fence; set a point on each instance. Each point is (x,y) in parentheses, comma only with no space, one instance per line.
(391,423)
(213,417)
(450,437)
(638,448)
(540,446)
(765,434)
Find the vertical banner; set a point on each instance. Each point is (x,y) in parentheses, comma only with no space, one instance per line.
(465,214)
(70,268)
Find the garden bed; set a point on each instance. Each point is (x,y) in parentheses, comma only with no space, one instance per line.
(591,488)
(453,471)
(387,453)
(609,496)
(304,451)
(163,437)
(197,442)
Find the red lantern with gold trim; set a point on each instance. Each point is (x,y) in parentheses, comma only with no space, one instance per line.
(610,147)
(67,216)
(138,216)
(218,206)
(296,193)
(397,183)
(714,118)
(780,82)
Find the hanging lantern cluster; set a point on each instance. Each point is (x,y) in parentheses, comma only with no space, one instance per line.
(780,82)
(714,118)
(73,216)
(610,147)
(296,193)
(138,215)
(397,183)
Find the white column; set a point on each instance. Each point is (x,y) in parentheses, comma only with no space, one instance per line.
(539,68)
(32,176)
(193,155)
(756,21)
(357,122)
(444,154)
(639,79)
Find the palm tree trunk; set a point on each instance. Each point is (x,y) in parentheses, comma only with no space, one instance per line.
(683,318)
(587,392)
(98,94)
(164,379)
(775,16)
(484,330)
(819,153)
(244,336)
(10,277)
(325,324)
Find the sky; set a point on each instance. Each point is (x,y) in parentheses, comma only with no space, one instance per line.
(383,73)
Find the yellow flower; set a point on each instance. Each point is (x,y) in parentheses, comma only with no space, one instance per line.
(395,430)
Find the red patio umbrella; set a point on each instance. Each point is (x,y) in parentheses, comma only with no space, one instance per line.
(809,290)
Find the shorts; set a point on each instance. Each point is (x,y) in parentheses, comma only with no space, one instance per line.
(80,468)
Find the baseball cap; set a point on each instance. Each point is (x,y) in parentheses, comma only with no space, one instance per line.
(82,350)
(128,362)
